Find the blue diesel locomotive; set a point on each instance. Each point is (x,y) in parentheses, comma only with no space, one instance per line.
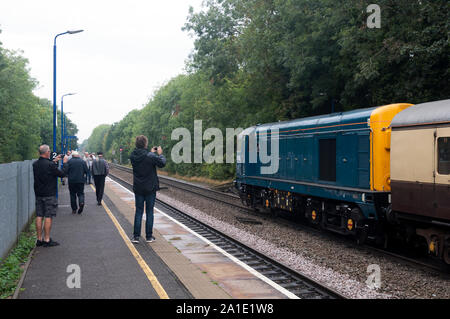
(332,169)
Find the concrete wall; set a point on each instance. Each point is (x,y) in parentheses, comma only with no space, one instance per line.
(17,202)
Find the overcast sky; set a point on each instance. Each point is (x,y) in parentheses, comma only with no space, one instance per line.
(127,50)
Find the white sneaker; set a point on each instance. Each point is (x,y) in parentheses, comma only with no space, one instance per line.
(151,240)
(135,240)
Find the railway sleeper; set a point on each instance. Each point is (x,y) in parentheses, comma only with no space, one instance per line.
(218,241)
(304,292)
(201,231)
(291,285)
(233,252)
(227,248)
(247,258)
(270,271)
(282,278)
(256,262)
(264,269)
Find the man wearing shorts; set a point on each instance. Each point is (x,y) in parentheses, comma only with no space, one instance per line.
(46,174)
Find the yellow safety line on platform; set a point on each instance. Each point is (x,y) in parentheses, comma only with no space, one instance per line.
(148,272)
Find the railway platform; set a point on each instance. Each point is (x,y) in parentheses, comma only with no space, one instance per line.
(96,259)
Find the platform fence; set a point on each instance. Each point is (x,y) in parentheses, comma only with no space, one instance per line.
(17,202)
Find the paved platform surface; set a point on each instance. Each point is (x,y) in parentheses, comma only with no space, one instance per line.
(91,243)
(199,265)
(97,246)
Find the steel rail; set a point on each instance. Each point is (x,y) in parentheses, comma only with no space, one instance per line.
(299,284)
(439,269)
(228,199)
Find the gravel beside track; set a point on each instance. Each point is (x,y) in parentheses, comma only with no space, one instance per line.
(331,260)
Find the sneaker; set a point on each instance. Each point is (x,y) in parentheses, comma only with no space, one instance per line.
(39,243)
(150,240)
(50,243)
(80,210)
(135,240)
(99,203)
(74,212)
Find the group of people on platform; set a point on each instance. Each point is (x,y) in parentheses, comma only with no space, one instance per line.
(79,172)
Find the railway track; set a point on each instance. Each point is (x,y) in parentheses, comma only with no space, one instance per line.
(234,200)
(218,196)
(296,283)
(426,264)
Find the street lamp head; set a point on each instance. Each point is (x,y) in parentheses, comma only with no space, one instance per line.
(75,31)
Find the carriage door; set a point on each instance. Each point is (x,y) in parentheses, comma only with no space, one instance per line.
(442,173)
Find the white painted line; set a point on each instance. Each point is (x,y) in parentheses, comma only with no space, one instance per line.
(273,284)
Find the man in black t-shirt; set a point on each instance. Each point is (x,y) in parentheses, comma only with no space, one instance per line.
(46,173)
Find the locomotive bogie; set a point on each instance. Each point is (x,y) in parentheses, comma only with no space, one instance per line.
(342,217)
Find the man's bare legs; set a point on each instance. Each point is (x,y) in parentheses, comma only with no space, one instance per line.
(39,228)
(47,228)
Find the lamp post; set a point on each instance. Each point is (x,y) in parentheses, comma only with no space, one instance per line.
(54,83)
(62,120)
(54,90)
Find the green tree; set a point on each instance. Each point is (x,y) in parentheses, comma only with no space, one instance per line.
(259,61)
(19,124)
(95,141)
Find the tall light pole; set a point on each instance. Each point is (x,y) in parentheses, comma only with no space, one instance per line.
(54,84)
(54,90)
(62,120)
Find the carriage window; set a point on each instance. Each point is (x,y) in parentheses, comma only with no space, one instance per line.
(444,155)
(327,159)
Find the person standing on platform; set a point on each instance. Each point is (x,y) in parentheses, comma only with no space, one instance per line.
(145,185)
(88,160)
(100,170)
(46,175)
(76,169)
(68,157)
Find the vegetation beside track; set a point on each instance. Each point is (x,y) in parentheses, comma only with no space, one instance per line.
(25,119)
(260,61)
(12,267)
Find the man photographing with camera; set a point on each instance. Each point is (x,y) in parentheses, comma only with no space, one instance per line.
(145,184)
(46,173)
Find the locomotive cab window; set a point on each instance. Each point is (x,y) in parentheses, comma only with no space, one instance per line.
(444,155)
(327,159)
